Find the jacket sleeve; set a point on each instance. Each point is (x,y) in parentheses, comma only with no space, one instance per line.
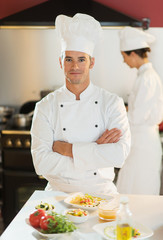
(89,156)
(146,106)
(46,162)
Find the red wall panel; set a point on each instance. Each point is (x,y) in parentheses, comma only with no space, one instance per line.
(139,9)
(8,7)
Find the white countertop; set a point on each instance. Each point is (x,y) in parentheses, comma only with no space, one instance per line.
(146,209)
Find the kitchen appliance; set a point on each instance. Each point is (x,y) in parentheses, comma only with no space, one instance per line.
(5,113)
(23,120)
(44,14)
(19,179)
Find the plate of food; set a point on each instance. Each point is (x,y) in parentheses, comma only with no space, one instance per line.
(50,224)
(108,230)
(86,201)
(77,215)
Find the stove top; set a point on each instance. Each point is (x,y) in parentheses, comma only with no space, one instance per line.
(15,138)
(10,127)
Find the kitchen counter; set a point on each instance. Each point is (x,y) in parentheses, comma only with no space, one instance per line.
(146,209)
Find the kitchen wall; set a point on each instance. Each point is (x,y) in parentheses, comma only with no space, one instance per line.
(139,9)
(8,7)
(29,63)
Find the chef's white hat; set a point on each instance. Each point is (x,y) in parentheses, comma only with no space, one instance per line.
(132,39)
(78,33)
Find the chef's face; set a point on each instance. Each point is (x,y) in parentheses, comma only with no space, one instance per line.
(76,66)
(129,59)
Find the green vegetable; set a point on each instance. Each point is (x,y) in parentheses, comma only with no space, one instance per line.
(45,206)
(61,224)
(135,232)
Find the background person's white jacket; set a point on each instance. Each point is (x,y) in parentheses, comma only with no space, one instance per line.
(59,116)
(141,171)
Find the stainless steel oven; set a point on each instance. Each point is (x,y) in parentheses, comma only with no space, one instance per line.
(19,179)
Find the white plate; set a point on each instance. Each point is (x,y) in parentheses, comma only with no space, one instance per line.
(71,196)
(145,232)
(49,235)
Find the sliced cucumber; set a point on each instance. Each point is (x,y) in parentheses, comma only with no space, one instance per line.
(109,231)
(45,206)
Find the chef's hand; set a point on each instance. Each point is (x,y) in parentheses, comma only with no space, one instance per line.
(62,148)
(110,136)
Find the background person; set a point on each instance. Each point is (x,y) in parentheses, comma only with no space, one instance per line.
(141,171)
(80,132)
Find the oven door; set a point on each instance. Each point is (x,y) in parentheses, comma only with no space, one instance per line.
(17,188)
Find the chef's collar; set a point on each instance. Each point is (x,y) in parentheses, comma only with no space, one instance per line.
(144,67)
(86,93)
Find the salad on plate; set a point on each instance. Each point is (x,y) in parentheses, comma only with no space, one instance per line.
(50,223)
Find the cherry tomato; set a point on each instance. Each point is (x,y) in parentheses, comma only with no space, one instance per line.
(44,222)
(35,217)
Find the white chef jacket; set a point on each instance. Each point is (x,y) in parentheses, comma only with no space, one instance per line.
(141,171)
(59,116)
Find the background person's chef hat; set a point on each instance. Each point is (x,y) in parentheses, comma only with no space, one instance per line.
(78,33)
(132,39)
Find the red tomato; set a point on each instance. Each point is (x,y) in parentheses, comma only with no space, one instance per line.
(44,222)
(35,217)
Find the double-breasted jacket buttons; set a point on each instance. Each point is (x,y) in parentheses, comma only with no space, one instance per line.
(96,125)
(64,129)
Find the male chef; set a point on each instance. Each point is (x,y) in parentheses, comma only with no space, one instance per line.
(80,132)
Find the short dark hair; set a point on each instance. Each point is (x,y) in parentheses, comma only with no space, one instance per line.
(140,52)
(62,56)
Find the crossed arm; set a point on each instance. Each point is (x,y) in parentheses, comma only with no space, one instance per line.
(109,136)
